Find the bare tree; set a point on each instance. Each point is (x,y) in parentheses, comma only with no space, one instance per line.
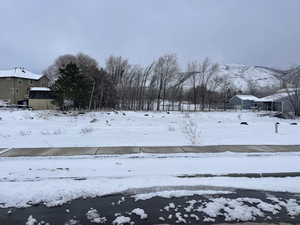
(135,84)
(207,71)
(118,68)
(292,84)
(165,70)
(213,90)
(227,90)
(145,76)
(192,68)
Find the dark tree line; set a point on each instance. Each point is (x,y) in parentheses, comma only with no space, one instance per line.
(80,83)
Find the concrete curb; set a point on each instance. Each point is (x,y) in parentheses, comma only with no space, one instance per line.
(4,150)
(162,150)
(118,150)
(73,151)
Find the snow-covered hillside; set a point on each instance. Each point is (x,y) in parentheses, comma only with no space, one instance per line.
(241,76)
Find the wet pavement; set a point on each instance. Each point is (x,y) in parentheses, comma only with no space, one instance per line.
(112,206)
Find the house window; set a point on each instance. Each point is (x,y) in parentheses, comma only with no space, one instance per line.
(41,95)
(20,82)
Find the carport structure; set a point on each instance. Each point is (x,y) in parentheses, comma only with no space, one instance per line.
(277,102)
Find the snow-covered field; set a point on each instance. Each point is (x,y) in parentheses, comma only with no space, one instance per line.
(54,129)
(25,181)
(56,180)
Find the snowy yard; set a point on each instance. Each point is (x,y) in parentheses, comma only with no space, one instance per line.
(54,129)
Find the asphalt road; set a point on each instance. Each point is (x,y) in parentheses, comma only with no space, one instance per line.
(111,206)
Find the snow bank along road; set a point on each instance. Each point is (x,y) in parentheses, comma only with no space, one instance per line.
(57,180)
(34,129)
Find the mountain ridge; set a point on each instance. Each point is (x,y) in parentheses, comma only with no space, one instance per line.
(243,76)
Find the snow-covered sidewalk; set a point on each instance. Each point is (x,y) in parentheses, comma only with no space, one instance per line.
(56,180)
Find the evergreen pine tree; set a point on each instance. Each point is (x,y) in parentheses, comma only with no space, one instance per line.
(72,85)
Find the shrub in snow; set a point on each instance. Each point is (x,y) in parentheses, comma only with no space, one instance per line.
(93,120)
(86,130)
(25,132)
(191,131)
(239,116)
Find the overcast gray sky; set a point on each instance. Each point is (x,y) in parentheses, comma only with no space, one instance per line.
(252,32)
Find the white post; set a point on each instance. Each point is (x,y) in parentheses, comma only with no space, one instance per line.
(276,127)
